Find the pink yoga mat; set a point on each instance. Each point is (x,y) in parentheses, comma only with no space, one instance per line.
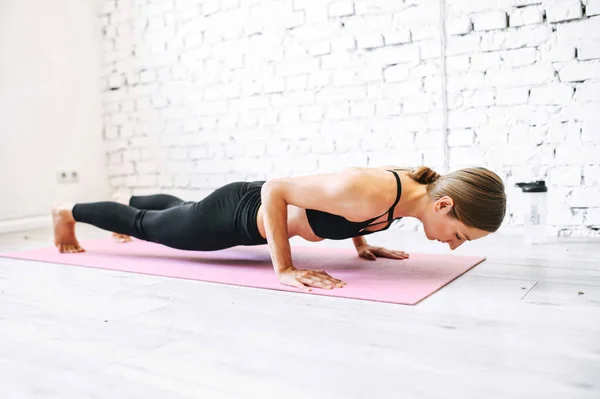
(384,280)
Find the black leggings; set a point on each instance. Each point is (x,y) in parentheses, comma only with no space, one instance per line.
(224,219)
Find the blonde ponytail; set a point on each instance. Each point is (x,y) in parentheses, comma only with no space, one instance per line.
(424,175)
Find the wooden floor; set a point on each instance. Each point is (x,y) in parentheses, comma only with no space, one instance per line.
(523,324)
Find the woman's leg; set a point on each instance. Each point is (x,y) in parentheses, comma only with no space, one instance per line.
(205,225)
(155,202)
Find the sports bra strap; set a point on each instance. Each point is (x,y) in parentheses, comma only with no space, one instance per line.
(398,193)
(390,211)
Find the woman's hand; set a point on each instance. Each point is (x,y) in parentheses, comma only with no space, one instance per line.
(372,253)
(304,279)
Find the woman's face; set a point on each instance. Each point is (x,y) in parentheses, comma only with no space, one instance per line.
(440,226)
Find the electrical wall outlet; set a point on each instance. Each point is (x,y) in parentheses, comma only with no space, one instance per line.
(67,176)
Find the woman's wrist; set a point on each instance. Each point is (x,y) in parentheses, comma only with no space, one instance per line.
(283,269)
(359,242)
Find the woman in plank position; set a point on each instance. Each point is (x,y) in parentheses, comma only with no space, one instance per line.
(461,206)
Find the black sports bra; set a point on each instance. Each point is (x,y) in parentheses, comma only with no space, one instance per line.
(334,227)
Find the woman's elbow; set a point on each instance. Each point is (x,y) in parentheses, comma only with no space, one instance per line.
(270,190)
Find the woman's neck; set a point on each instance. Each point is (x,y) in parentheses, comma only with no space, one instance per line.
(414,200)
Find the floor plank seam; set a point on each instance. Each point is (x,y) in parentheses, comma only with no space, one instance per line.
(529,290)
(126,318)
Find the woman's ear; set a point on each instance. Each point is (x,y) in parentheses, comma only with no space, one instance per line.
(444,204)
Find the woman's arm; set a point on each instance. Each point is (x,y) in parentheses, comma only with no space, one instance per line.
(276,229)
(359,242)
(344,193)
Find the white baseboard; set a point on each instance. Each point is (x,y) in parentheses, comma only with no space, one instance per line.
(24,224)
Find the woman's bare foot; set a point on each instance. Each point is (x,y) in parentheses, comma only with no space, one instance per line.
(64,229)
(121,199)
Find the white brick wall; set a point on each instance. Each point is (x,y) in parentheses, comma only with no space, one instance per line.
(197,94)
(552,94)
(579,71)
(592,7)
(459,25)
(526,16)
(564,10)
(490,20)
(589,50)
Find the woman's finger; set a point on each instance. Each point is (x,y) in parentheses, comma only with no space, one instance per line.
(292,282)
(324,275)
(386,253)
(400,254)
(320,277)
(368,255)
(314,282)
(392,254)
(322,281)
(334,281)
